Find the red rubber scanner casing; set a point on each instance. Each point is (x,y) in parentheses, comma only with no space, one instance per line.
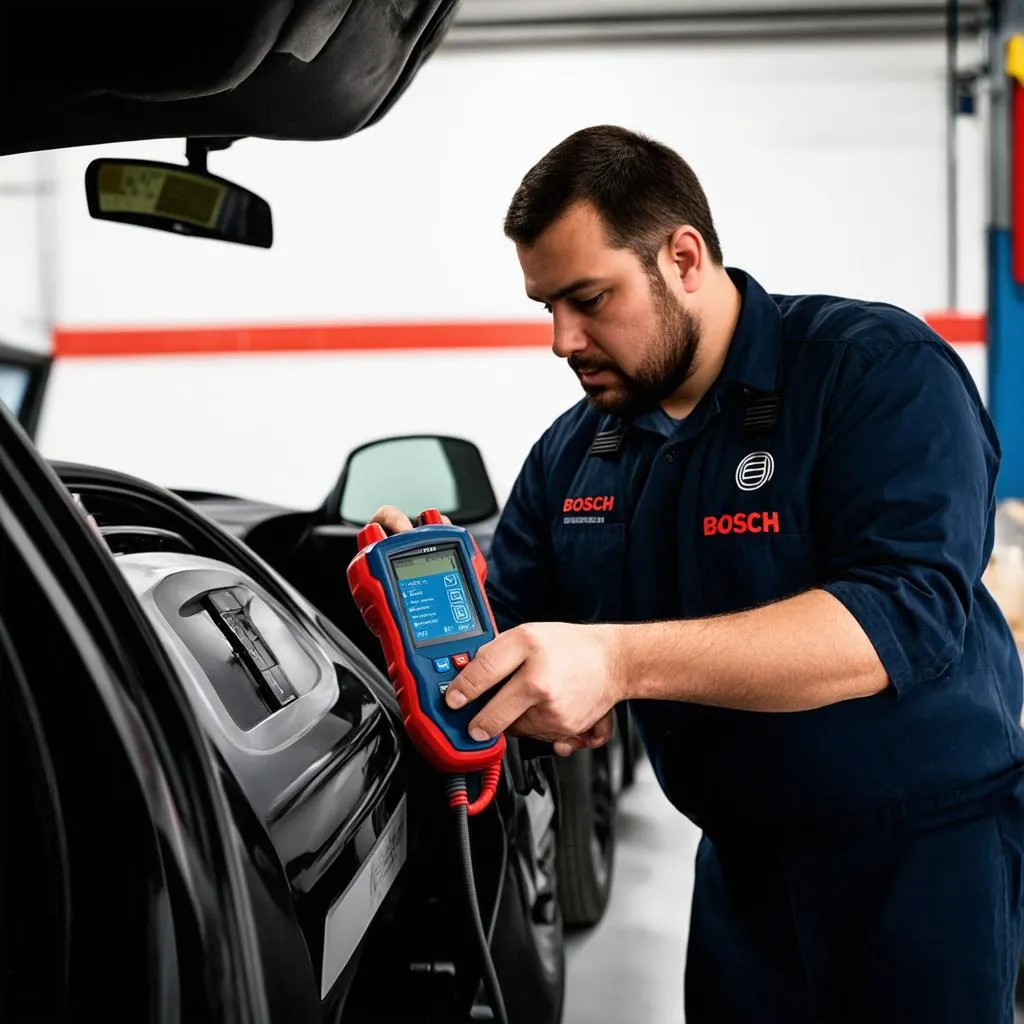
(443,743)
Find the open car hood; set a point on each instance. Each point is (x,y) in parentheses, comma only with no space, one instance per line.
(277,69)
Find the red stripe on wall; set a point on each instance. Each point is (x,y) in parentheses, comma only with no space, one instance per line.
(70,342)
(164,341)
(959,328)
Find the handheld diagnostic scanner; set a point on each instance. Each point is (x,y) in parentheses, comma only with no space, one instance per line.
(421,593)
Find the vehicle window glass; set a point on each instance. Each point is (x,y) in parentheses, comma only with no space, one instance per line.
(14,382)
(411,473)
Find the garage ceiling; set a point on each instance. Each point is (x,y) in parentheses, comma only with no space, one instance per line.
(546,22)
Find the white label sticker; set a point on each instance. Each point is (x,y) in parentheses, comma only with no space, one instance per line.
(353,911)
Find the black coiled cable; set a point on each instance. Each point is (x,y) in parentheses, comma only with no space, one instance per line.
(458,800)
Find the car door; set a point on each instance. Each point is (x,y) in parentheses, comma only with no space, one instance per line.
(124,895)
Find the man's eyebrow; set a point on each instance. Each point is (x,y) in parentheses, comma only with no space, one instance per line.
(583,282)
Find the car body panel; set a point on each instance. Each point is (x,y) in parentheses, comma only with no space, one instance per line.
(321,776)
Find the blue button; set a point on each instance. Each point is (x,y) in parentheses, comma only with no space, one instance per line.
(443,664)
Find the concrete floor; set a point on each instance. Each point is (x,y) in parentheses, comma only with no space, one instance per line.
(630,967)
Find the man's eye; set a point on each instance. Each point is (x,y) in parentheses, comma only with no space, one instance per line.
(585,304)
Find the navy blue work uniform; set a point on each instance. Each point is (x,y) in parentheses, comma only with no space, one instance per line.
(863,861)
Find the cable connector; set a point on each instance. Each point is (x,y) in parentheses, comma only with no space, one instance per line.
(492,776)
(458,795)
(458,792)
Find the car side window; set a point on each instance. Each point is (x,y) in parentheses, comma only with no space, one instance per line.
(14,382)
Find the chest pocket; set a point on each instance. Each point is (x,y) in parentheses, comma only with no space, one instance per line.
(759,548)
(588,537)
(590,566)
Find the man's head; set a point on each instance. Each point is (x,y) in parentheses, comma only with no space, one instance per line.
(615,237)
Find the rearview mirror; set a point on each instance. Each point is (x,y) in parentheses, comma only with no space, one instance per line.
(185,200)
(414,473)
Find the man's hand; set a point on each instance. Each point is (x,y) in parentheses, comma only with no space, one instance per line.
(595,734)
(593,738)
(563,681)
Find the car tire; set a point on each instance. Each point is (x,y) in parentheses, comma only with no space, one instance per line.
(628,739)
(528,946)
(586,847)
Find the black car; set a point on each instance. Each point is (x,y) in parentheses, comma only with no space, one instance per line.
(348,864)
(211,810)
(311,548)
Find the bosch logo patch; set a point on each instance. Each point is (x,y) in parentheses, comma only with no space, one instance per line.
(742,522)
(755,471)
(599,503)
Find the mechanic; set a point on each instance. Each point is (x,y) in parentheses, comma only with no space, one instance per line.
(765,526)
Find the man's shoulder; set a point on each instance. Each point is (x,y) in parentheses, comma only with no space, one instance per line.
(849,339)
(873,328)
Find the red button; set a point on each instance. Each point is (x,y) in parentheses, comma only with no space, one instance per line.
(460,661)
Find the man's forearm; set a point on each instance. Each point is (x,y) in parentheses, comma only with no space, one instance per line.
(805,652)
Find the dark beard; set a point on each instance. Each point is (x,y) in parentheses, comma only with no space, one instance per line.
(669,362)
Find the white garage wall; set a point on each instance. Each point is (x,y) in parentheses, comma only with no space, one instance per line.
(824,165)
(25,201)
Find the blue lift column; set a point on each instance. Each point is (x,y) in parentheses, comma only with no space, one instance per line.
(1006,243)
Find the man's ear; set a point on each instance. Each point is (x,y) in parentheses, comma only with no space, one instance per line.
(688,257)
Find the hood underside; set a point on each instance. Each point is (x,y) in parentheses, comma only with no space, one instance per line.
(277,69)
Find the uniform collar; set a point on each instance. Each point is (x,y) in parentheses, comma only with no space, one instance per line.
(752,362)
(756,346)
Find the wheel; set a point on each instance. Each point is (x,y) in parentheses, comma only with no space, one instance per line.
(586,848)
(632,745)
(626,732)
(528,946)
(618,756)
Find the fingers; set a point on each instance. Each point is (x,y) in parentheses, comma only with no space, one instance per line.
(493,663)
(393,520)
(596,736)
(512,709)
(601,732)
(563,748)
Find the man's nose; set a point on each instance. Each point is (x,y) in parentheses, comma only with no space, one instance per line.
(568,334)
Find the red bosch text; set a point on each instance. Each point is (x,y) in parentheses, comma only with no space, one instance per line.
(742,522)
(600,503)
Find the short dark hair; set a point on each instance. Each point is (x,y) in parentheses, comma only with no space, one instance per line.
(641,189)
